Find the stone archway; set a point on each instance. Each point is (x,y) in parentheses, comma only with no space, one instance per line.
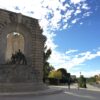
(19,77)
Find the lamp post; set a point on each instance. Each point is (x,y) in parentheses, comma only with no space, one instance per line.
(80,73)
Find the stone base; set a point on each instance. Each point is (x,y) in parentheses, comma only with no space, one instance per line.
(18,74)
(21,87)
(19,78)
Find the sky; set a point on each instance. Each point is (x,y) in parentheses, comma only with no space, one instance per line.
(72,31)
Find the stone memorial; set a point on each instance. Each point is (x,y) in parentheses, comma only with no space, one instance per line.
(21,53)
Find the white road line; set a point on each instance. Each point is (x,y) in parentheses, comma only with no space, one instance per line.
(78,95)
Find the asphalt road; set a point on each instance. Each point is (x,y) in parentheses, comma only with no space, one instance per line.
(72,94)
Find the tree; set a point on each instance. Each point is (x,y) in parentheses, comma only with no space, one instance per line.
(54,77)
(91,80)
(46,66)
(64,72)
(58,75)
(64,75)
(55,74)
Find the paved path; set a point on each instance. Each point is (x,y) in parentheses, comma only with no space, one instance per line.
(75,86)
(72,94)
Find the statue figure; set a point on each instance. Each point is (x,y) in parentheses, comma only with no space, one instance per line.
(13,59)
(23,59)
(18,58)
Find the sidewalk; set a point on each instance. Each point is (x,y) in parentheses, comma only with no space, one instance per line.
(93,88)
(48,91)
(90,87)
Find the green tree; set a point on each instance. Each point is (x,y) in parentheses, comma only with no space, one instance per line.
(51,74)
(46,67)
(82,82)
(91,80)
(64,75)
(58,75)
(64,71)
(55,76)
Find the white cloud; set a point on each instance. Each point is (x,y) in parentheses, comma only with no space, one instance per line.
(65,26)
(85,6)
(56,20)
(77,1)
(87,14)
(78,11)
(75,20)
(69,13)
(81,23)
(50,40)
(62,1)
(71,51)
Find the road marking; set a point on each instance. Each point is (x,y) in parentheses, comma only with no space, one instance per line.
(78,95)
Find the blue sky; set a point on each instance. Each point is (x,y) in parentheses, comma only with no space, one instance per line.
(72,30)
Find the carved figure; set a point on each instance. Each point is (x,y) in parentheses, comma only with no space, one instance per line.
(13,59)
(18,58)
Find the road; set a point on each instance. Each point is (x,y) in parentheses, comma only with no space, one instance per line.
(72,94)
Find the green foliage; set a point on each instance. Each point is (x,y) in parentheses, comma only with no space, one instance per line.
(51,74)
(58,74)
(91,80)
(55,74)
(54,77)
(46,68)
(64,72)
(65,75)
(47,53)
(82,82)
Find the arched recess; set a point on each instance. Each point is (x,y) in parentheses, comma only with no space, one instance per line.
(15,41)
(25,32)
